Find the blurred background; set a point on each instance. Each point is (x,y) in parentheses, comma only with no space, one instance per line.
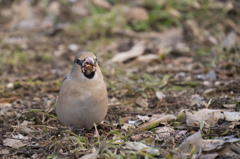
(41,37)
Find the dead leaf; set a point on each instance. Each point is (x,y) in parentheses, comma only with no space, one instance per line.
(209,156)
(126,126)
(181,60)
(95,154)
(144,59)
(117,137)
(142,102)
(139,146)
(8,100)
(192,120)
(232,116)
(4,152)
(195,139)
(227,152)
(197,100)
(164,132)
(208,116)
(209,91)
(136,51)
(229,41)
(137,137)
(209,145)
(91,155)
(16,143)
(218,143)
(5,107)
(143,118)
(229,105)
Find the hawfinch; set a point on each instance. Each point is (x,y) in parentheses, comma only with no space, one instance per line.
(83,98)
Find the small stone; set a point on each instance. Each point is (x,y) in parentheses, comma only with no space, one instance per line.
(37,99)
(10,85)
(113,100)
(137,14)
(210,91)
(142,102)
(102,3)
(35,156)
(25,123)
(211,75)
(217,83)
(229,40)
(26,129)
(211,41)
(54,8)
(191,30)
(49,103)
(229,105)
(160,95)
(207,83)
(175,13)
(73,47)
(80,9)
(200,77)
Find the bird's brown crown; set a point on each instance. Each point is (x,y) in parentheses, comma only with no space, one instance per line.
(83,54)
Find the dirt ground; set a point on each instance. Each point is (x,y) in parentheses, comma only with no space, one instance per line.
(176,93)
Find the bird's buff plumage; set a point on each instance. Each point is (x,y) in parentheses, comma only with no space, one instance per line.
(83,98)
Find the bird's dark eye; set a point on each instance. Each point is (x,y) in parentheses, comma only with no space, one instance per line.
(79,62)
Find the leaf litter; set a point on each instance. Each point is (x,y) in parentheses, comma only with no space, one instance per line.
(173,92)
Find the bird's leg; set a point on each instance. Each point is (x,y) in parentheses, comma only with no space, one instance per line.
(70,128)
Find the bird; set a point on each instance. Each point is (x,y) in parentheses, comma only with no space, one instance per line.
(83,96)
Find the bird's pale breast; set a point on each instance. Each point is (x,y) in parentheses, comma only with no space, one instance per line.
(80,104)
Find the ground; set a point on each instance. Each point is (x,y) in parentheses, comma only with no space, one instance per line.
(174,94)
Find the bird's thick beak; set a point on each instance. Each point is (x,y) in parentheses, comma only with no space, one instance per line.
(89,60)
(88,65)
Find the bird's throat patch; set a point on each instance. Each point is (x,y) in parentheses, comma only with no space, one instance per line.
(89,70)
(89,76)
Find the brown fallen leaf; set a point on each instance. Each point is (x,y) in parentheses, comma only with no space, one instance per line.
(51,89)
(144,59)
(180,60)
(136,51)
(142,102)
(8,100)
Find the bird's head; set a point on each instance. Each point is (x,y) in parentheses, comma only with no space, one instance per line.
(85,66)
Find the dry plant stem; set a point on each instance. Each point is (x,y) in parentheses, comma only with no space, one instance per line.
(31,135)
